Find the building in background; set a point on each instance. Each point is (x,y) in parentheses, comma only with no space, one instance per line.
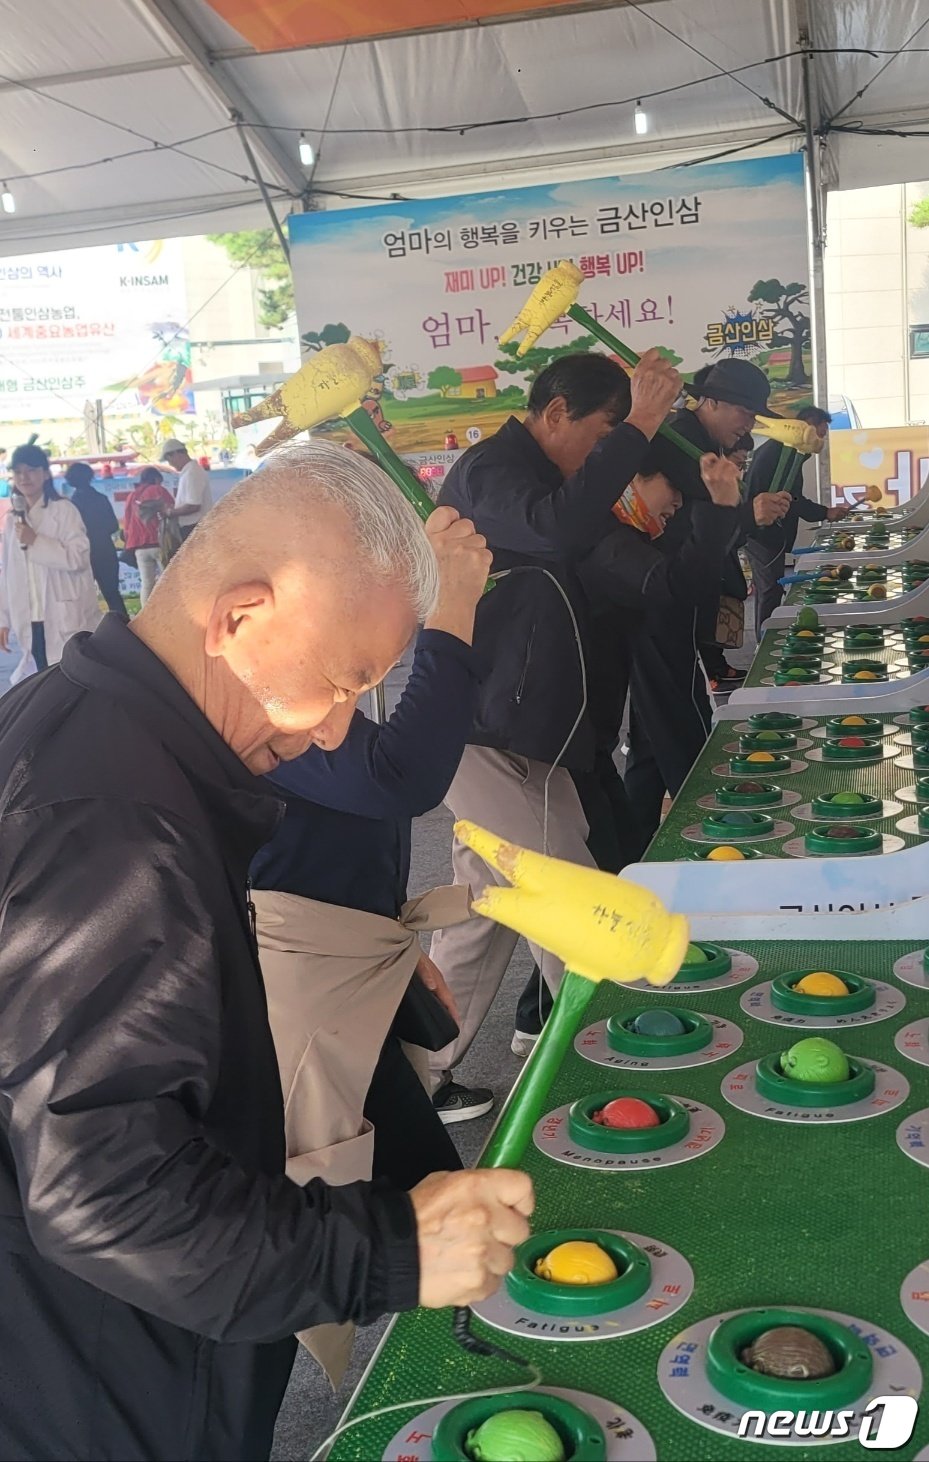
(128,343)
(877,303)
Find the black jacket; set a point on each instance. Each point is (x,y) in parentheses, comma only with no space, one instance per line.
(142,1189)
(632,585)
(528,661)
(100,524)
(732,579)
(780,537)
(345,836)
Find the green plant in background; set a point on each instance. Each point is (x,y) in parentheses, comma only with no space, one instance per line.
(783,306)
(919,214)
(328,335)
(147,435)
(540,356)
(259,249)
(443,379)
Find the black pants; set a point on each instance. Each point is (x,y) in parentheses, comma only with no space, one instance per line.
(669,722)
(410,1139)
(768,566)
(39,653)
(613,841)
(105,569)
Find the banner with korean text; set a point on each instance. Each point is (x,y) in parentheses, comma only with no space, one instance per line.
(107,323)
(704,262)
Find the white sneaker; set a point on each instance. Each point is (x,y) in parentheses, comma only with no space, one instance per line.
(522,1044)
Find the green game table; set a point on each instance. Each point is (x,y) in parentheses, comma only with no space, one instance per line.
(834,653)
(880,779)
(847,588)
(776,1214)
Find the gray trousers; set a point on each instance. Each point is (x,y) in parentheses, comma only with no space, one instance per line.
(504,793)
(768,566)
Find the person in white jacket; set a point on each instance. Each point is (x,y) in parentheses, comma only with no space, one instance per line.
(47,589)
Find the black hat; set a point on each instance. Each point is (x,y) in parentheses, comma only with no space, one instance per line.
(29,455)
(79,474)
(736,381)
(664,457)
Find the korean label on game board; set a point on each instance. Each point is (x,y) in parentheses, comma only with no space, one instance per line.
(436,281)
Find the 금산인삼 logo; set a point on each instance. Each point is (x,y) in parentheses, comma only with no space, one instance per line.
(886,1422)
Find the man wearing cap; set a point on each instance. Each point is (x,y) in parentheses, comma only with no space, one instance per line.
(670,709)
(194,498)
(776,467)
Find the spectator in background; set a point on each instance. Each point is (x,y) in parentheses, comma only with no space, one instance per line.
(194,498)
(148,502)
(780,469)
(47,590)
(4,465)
(100,523)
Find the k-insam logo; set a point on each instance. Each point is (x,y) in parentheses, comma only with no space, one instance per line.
(887,1422)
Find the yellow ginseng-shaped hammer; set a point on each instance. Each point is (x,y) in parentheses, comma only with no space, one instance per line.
(603,928)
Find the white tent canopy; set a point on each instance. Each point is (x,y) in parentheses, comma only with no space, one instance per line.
(117,119)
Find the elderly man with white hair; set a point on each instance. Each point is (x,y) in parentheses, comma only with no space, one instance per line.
(155,1261)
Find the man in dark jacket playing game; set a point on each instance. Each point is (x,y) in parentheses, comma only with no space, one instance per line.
(155,1262)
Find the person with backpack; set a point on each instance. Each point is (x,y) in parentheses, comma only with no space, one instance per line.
(146,507)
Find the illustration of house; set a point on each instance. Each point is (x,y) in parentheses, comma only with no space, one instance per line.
(478,383)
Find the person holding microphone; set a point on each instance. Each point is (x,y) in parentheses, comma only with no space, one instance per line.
(47,589)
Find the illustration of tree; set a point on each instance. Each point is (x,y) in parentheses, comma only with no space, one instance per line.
(784,307)
(442,379)
(259,249)
(539,356)
(919,214)
(328,335)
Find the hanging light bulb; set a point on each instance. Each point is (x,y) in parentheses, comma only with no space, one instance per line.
(7,201)
(641,120)
(307,155)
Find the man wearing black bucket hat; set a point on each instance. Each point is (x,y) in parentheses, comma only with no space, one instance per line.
(670,708)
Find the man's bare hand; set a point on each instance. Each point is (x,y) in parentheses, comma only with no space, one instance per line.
(468,1225)
(464,562)
(434,980)
(770,507)
(835,515)
(721,479)
(656,386)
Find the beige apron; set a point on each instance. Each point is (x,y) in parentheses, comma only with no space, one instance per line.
(334,978)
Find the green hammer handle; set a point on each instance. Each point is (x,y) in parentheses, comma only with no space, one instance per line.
(527,1101)
(593,327)
(395,467)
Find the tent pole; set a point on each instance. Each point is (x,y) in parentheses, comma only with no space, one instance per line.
(816,232)
(276,223)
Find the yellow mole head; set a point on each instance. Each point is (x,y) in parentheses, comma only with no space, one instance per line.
(577,1262)
(760,756)
(821,982)
(725,854)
